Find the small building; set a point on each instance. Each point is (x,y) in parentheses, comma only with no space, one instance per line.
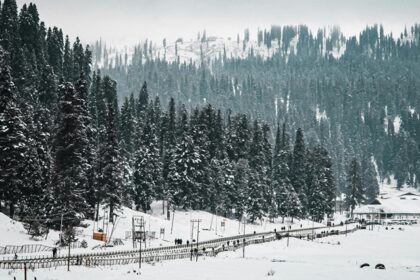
(401,207)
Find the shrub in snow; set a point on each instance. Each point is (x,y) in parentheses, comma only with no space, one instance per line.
(270,272)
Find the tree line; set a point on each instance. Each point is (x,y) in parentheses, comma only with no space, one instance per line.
(68,148)
(357,96)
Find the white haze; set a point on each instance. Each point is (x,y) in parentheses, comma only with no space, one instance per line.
(130,21)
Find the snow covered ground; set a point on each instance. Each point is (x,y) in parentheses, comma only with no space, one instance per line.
(211,227)
(195,50)
(335,257)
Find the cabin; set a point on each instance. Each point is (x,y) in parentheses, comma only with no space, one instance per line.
(402,207)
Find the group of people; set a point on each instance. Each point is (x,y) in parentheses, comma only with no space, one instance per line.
(178,241)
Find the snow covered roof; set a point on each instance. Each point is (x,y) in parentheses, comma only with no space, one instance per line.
(409,194)
(394,205)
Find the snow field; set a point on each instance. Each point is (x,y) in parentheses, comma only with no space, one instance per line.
(13,233)
(341,259)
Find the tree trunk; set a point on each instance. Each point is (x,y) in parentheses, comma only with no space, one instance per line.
(168,211)
(11,209)
(97,212)
(111,212)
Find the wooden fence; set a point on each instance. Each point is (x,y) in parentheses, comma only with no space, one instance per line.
(205,248)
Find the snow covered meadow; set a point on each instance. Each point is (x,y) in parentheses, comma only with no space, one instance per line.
(211,227)
(335,257)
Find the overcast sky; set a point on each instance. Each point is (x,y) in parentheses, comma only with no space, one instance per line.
(128,21)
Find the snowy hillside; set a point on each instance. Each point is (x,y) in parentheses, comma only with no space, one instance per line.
(212,47)
(192,51)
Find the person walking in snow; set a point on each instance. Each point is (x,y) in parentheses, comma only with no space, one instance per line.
(54,251)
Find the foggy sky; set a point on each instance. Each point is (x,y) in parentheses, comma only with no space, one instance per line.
(130,21)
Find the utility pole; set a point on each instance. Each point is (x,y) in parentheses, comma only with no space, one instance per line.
(173,218)
(25,271)
(68,258)
(61,231)
(140,253)
(243,241)
(198,233)
(216,221)
(192,237)
(312,229)
(142,235)
(198,221)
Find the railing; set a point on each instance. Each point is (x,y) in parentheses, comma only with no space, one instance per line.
(21,249)
(205,248)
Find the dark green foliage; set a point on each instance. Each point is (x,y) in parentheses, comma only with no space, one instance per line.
(13,142)
(71,144)
(147,169)
(321,189)
(111,180)
(286,200)
(369,179)
(355,193)
(298,169)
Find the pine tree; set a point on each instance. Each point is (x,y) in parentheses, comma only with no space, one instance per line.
(39,164)
(240,187)
(109,87)
(201,126)
(13,143)
(297,170)
(229,194)
(369,179)
(70,162)
(55,48)
(286,199)
(67,61)
(82,92)
(48,89)
(143,100)
(257,203)
(127,128)
(111,180)
(183,172)
(168,143)
(267,172)
(320,184)
(355,191)
(34,184)
(10,41)
(147,169)
(401,165)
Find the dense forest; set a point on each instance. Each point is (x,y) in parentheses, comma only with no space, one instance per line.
(73,140)
(362,103)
